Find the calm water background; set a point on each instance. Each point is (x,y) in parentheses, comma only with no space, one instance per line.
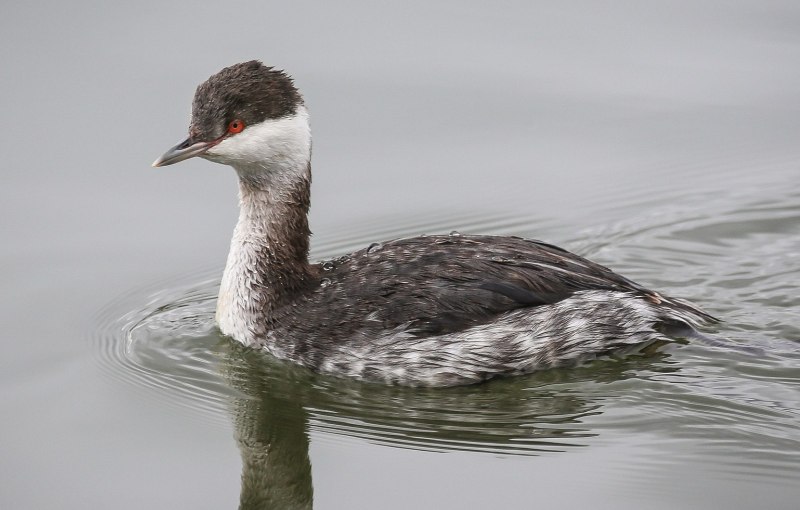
(662,139)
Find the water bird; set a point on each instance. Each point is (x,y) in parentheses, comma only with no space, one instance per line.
(433,310)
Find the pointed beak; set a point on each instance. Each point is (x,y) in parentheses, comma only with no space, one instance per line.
(184,150)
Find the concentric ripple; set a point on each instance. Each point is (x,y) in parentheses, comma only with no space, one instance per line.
(740,262)
(167,342)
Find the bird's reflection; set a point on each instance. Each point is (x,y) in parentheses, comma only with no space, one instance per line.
(280,404)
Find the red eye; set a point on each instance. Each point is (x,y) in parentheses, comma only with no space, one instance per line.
(235,126)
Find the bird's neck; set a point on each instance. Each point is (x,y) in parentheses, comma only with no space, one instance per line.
(274,217)
(268,259)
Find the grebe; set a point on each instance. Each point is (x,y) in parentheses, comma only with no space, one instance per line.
(437,310)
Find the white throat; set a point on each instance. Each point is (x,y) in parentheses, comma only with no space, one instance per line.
(273,148)
(272,160)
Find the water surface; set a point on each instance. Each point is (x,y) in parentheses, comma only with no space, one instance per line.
(660,140)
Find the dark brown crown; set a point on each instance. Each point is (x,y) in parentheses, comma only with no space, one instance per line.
(250,92)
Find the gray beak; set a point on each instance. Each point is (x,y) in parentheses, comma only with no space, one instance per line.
(184,150)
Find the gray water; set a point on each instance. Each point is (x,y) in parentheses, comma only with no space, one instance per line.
(661,139)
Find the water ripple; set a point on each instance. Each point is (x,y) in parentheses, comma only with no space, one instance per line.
(743,409)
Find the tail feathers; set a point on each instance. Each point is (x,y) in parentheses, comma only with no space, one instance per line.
(681,307)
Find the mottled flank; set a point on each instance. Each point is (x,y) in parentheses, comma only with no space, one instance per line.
(448,310)
(431,310)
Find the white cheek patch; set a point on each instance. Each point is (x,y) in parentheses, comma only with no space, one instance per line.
(275,144)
